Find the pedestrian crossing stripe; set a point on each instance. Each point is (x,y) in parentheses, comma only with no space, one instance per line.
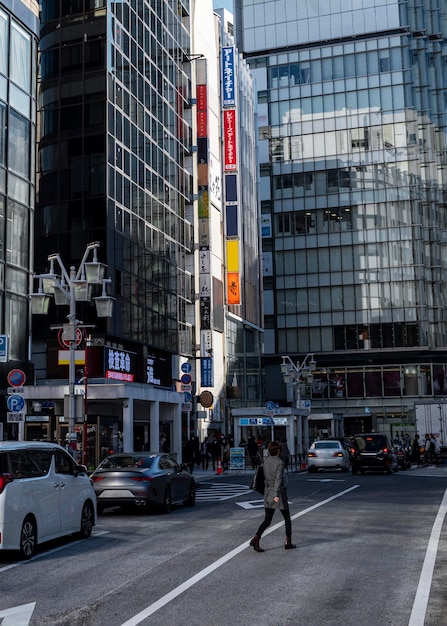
(216,492)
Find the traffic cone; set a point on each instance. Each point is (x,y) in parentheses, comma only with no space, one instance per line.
(219,467)
(303,465)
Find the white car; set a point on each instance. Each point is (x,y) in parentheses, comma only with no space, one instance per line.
(44,494)
(327,454)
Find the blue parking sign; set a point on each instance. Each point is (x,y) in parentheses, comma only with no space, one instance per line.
(15,403)
(3,348)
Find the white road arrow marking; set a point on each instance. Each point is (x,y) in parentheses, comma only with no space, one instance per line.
(17,615)
(251,504)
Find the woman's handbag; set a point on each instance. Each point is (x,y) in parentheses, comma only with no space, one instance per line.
(258,482)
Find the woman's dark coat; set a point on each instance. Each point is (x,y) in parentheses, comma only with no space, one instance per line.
(274,483)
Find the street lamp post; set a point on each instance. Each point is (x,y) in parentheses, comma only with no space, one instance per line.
(66,289)
(295,373)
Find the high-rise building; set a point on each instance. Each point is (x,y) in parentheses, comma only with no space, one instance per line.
(112,168)
(130,157)
(19,31)
(352,181)
(244,319)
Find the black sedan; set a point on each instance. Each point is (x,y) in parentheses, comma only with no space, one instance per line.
(143,479)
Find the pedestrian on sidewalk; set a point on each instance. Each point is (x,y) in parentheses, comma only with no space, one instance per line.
(275,496)
(205,455)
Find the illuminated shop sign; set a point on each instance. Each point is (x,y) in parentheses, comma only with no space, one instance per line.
(119,365)
(228,76)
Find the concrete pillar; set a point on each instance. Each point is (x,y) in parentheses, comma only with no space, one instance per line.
(299,441)
(291,434)
(176,417)
(306,434)
(155,426)
(128,424)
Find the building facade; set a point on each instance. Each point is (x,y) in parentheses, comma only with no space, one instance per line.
(19,32)
(244,319)
(352,181)
(113,168)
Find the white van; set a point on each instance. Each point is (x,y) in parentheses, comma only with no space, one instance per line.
(44,494)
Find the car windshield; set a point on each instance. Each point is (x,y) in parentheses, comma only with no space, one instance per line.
(325,445)
(371,444)
(126,460)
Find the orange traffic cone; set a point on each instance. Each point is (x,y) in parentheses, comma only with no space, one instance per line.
(303,465)
(219,467)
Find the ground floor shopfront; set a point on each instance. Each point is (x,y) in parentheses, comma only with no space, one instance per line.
(115,417)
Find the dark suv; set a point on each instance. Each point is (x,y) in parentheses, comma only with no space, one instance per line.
(373,451)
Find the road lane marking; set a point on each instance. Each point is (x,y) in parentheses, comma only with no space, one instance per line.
(44,553)
(420,603)
(155,606)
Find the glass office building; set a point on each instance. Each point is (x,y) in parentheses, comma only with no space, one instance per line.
(352,158)
(114,86)
(19,29)
(111,155)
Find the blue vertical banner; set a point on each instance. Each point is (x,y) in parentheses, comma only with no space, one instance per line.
(228,76)
(206,372)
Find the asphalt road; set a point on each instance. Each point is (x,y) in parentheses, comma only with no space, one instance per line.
(372,551)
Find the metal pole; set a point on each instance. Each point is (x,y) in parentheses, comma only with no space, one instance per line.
(85,429)
(72,367)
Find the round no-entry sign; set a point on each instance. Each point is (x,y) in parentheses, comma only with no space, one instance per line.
(16,378)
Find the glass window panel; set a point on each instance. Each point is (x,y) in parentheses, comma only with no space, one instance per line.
(18,144)
(335,259)
(17,243)
(326,69)
(301,301)
(373,62)
(349,297)
(328,103)
(391,382)
(362,99)
(301,261)
(338,68)
(19,100)
(373,383)
(340,101)
(314,300)
(323,260)
(337,298)
(360,60)
(315,71)
(20,70)
(355,384)
(16,326)
(18,189)
(387,98)
(349,65)
(3,42)
(312,261)
(2,133)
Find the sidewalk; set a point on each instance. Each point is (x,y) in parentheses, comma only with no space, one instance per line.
(199,474)
(430,470)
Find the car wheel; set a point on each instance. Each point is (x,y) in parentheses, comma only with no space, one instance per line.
(192,496)
(87,519)
(28,538)
(167,502)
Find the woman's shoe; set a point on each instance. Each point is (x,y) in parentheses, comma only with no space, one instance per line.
(289,545)
(255,544)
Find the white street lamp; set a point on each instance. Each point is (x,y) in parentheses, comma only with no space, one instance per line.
(67,289)
(295,374)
